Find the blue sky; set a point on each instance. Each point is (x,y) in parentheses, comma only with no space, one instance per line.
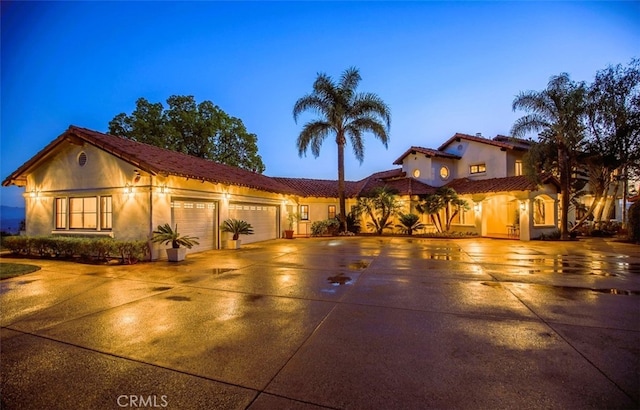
(442,67)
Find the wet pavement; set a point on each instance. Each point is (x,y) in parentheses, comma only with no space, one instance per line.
(368,322)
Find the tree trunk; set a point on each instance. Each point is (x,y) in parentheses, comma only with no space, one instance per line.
(565,183)
(341,190)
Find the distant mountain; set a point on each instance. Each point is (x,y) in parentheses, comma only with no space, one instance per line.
(10,218)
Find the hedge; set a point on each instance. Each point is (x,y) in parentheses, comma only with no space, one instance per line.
(83,248)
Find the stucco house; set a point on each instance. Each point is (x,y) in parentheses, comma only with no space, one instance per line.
(90,183)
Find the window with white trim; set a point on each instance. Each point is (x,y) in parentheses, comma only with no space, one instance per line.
(88,213)
(332,211)
(518,170)
(477,169)
(304,212)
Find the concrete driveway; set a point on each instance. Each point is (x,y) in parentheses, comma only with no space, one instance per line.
(379,323)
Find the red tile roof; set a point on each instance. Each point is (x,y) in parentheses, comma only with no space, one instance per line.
(157,160)
(322,188)
(426,151)
(498,142)
(519,183)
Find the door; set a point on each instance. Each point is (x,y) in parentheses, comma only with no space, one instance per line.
(263,218)
(196,217)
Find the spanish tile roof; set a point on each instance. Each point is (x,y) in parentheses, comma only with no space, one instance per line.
(426,151)
(395,179)
(157,160)
(496,142)
(517,183)
(322,188)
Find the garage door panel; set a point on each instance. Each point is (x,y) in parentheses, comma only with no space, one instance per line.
(196,218)
(263,218)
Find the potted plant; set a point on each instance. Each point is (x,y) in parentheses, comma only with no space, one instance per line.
(291,218)
(236,227)
(165,234)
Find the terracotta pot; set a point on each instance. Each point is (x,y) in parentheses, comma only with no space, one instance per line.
(288,234)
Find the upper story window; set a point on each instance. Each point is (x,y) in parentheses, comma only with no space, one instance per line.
(332,211)
(518,169)
(444,172)
(477,169)
(416,173)
(304,212)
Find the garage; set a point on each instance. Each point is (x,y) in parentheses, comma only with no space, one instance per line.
(196,217)
(263,218)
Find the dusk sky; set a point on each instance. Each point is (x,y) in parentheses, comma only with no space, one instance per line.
(442,67)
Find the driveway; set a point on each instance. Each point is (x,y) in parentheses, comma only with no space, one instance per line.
(365,322)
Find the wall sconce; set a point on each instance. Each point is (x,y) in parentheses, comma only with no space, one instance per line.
(226,196)
(476,206)
(128,189)
(34,194)
(523,205)
(163,189)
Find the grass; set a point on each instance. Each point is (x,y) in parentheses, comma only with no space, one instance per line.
(10,270)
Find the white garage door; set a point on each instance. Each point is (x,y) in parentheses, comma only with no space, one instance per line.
(196,218)
(263,218)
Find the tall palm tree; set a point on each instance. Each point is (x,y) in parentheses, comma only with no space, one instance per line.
(556,112)
(347,114)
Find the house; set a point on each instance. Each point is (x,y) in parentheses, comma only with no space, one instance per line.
(89,183)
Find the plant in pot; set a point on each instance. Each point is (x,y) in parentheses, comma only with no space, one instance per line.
(179,243)
(236,227)
(291,218)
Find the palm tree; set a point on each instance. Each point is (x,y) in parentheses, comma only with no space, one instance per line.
(447,199)
(346,114)
(409,223)
(557,113)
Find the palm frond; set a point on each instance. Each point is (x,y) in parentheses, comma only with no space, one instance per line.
(369,104)
(312,136)
(350,79)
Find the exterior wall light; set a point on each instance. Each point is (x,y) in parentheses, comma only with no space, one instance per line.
(34,194)
(128,189)
(476,206)
(163,189)
(523,206)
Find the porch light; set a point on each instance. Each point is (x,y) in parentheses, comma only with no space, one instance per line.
(226,195)
(476,206)
(523,205)
(128,189)
(34,194)
(163,189)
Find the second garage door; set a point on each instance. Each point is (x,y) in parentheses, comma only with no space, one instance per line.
(263,218)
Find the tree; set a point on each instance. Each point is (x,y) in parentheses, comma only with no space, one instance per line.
(409,223)
(557,112)
(346,114)
(613,110)
(444,199)
(380,205)
(202,130)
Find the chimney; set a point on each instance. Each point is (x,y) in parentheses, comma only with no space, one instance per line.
(479,134)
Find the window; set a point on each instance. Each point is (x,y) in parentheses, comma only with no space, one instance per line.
(61,213)
(444,172)
(477,169)
(332,211)
(518,170)
(106,213)
(304,212)
(416,173)
(83,213)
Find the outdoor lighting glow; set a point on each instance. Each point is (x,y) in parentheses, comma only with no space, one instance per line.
(523,206)
(128,189)
(33,194)
(476,206)
(163,189)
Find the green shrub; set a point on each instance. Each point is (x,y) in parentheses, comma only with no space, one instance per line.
(328,226)
(88,249)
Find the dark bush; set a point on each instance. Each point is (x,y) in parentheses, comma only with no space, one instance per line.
(88,249)
(634,222)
